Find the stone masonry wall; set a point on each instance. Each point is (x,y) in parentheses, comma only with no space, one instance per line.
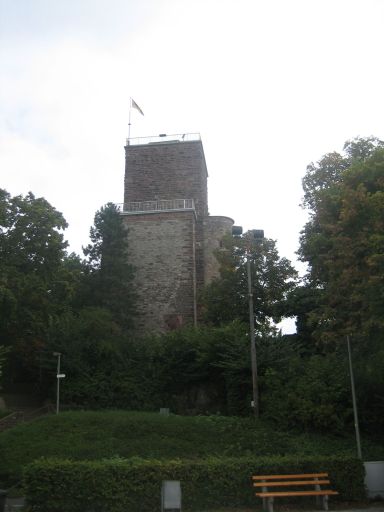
(171,170)
(167,171)
(161,246)
(173,252)
(215,228)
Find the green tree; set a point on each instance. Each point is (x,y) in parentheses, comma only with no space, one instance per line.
(273,277)
(321,178)
(32,251)
(89,341)
(3,353)
(91,332)
(109,275)
(343,243)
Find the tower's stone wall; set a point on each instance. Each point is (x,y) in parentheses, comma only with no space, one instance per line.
(161,247)
(172,251)
(174,170)
(215,228)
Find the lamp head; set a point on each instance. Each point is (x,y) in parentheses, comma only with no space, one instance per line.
(237,230)
(257,234)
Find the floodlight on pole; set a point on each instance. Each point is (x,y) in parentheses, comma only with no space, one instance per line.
(255,234)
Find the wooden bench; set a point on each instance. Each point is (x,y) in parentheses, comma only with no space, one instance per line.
(292,485)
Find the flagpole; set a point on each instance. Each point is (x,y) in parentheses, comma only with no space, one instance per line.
(129,120)
(136,106)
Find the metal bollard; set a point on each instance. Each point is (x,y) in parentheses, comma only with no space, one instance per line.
(171,496)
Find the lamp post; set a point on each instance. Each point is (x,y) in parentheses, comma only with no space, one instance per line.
(255,234)
(58,377)
(355,415)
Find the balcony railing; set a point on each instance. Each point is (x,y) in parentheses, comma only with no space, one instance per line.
(160,205)
(163,138)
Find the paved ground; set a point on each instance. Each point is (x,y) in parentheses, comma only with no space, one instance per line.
(370,508)
(373,507)
(16,505)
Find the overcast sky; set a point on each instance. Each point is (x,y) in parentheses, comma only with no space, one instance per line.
(271,86)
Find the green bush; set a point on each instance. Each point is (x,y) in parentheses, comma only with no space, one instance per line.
(316,394)
(134,484)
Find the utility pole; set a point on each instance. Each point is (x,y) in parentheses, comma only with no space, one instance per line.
(255,234)
(355,416)
(255,386)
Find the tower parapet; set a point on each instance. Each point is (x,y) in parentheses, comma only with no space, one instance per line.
(166,170)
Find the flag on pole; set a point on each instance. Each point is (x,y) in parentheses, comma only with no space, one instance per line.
(136,106)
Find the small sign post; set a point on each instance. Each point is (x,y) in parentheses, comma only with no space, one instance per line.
(58,376)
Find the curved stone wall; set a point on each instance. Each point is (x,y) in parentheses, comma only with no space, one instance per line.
(215,227)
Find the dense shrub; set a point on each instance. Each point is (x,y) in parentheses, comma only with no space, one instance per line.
(312,394)
(208,371)
(116,485)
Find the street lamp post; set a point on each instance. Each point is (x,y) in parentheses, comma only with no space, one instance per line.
(255,234)
(355,415)
(255,386)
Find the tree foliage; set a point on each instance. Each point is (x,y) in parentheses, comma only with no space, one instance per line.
(32,250)
(343,242)
(327,173)
(3,354)
(109,274)
(51,301)
(92,333)
(272,277)
(316,394)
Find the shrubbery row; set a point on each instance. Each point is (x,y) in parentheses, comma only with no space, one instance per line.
(134,484)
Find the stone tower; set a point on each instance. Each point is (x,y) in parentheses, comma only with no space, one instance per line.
(171,237)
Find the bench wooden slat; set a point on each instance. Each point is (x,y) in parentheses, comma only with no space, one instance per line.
(294,493)
(291,482)
(282,477)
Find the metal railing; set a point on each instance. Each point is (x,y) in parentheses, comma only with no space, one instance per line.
(160,205)
(163,138)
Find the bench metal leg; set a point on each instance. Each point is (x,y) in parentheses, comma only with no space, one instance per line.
(325,502)
(265,500)
(270,504)
(318,498)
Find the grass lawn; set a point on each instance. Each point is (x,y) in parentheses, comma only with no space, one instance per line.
(105,434)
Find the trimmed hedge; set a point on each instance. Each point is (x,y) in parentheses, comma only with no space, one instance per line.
(118,485)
